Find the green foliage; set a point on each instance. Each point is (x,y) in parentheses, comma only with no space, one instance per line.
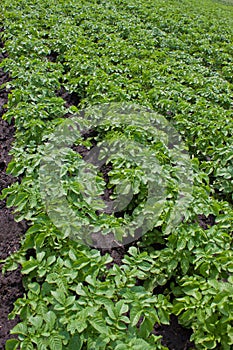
(171,56)
(207,306)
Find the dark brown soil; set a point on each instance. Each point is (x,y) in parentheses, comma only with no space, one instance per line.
(206,222)
(174,335)
(10,231)
(70,99)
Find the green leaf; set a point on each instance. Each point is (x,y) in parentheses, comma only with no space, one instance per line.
(75,343)
(12,344)
(99,325)
(59,295)
(181,244)
(36,321)
(163,316)
(50,319)
(184,265)
(29,266)
(70,300)
(42,343)
(133,251)
(20,328)
(55,342)
(145,328)
(40,256)
(121,307)
(135,315)
(27,345)
(122,347)
(34,288)
(141,344)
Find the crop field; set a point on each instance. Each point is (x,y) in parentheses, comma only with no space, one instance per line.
(117,162)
